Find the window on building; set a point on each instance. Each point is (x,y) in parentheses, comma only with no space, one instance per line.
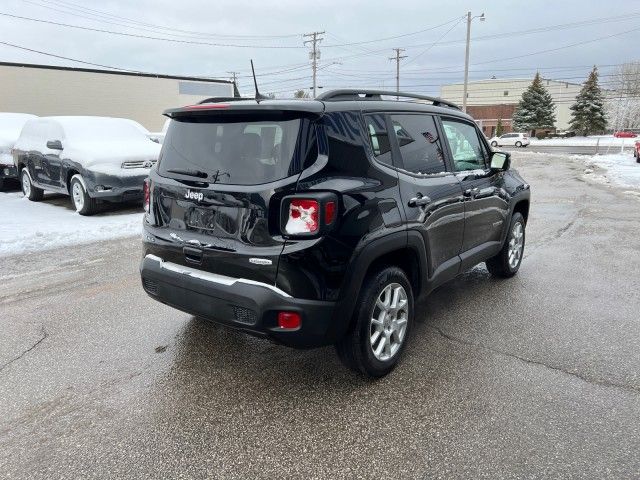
(506,93)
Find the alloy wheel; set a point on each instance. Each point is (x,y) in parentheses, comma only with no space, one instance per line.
(516,244)
(78,196)
(388,324)
(26,185)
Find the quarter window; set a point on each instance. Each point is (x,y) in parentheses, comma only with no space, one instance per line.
(419,144)
(469,153)
(379,137)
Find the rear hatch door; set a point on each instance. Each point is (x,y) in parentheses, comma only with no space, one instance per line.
(218,185)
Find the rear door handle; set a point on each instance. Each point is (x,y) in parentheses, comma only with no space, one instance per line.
(419,201)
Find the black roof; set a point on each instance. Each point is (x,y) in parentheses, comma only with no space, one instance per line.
(113,72)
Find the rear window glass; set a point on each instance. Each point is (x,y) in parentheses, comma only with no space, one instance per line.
(236,151)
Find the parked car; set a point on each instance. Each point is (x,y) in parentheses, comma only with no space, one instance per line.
(511,139)
(10,126)
(321,222)
(158,137)
(91,159)
(636,151)
(624,134)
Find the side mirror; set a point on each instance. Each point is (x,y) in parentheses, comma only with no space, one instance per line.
(54,145)
(500,161)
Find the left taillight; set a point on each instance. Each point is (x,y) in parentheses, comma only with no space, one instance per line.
(147,195)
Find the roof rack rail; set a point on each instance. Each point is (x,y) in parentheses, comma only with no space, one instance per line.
(357,94)
(221,99)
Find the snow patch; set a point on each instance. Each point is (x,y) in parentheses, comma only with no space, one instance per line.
(620,169)
(33,226)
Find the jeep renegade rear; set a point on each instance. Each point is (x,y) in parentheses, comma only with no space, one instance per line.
(319,222)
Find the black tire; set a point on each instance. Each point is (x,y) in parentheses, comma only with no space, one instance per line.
(30,191)
(356,350)
(494,144)
(500,265)
(80,199)
(518,144)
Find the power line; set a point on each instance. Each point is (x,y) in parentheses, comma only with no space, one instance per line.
(148,37)
(85,10)
(67,58)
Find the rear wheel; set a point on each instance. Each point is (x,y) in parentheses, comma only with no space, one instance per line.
(381,324)
(518,144)
(30,191)
(494,144)
(507,263)
(80,199)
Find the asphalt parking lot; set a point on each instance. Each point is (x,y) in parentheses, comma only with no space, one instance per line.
(532,377)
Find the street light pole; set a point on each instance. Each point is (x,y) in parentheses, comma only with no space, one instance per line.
(466,59)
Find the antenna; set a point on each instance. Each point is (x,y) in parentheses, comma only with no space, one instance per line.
(259,96)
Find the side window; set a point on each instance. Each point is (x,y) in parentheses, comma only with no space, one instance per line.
(379,137)
(469,153)
(420,146)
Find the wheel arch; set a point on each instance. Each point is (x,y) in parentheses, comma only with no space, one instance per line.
(522,207)
(395,249)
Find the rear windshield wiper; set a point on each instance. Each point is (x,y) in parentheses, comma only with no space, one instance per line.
(190,173)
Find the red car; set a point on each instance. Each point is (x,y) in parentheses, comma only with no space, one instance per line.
(636,152)
(624,134)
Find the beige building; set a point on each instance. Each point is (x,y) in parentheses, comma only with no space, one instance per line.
(488,100)
(46,90)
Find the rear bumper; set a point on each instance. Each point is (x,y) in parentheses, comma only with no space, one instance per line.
(244,304)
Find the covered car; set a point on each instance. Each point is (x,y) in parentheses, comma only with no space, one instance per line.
(91,159)
(10,127)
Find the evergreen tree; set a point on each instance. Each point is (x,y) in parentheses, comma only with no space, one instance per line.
(587,114)
(499,128)
(535,109)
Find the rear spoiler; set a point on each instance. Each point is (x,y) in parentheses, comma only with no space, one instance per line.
(234,105)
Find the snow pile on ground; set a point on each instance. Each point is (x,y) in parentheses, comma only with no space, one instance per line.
(32,226)
(592,141)
(620,169)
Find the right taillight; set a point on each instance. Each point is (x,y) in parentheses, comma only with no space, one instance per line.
(147,195)
(308,215)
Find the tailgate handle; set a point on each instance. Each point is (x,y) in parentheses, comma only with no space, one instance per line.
(193,255)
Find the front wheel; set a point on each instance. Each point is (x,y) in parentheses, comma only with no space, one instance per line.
(381,324)
(80,199)
(507,263)
(30,191)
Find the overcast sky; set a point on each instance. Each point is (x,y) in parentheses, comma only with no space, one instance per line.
(431,32)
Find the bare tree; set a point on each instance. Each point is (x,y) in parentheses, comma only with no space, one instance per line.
(623,101)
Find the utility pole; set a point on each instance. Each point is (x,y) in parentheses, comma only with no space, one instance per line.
(397,58)
(234,78)
(314,55)
(466,59)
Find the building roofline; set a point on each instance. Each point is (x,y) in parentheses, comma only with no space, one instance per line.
(113,72)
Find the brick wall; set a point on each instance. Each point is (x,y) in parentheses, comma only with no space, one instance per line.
(487,117)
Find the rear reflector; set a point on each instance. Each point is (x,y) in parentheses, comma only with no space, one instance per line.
(303,216)
(289,320)
(329,212)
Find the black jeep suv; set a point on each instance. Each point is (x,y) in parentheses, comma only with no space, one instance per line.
(320,222)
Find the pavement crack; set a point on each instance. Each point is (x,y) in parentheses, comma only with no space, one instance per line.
(43,336)
(529,361)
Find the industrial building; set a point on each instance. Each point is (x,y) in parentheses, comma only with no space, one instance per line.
(493,99)
(49,90)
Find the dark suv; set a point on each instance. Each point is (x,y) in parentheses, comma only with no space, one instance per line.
(320,222)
